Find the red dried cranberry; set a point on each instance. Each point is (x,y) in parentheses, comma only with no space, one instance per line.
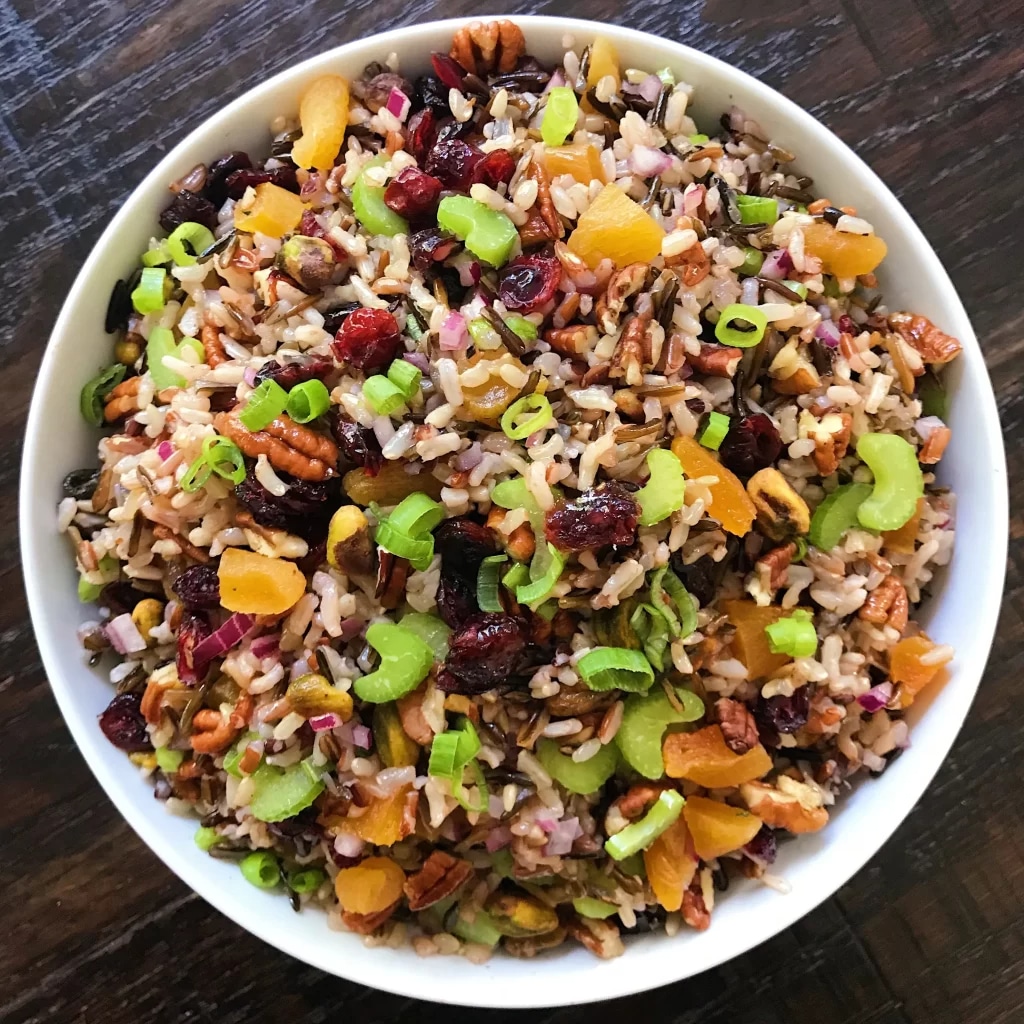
(430,93)
(529,281)
(454,162)
(296,372)
(357,444)
(412,193)
(486,652)
(369,339)
(194,628)
(752,443)
(594,519)
(296,510)
(122,723)
(462,544)
(198,588)
(449,70)
(217,174)
(430,246)
(187,206)
(775,715)
(238,181)
(846,324)
(421,129)
(495,169)
(763,848)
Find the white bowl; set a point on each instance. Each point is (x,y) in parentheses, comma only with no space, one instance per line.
(962,612)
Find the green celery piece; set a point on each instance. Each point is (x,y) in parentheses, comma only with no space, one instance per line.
(644,721)
(837,514)
(899,481)
(480,930)
(587,906)
(638,836)
(369,206)
(488,234)
(405,661)
(430,629)
(578,776)
(280,793)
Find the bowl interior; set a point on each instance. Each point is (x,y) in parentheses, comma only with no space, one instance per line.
(962,611)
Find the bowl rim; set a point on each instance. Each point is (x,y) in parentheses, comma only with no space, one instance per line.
(374,969)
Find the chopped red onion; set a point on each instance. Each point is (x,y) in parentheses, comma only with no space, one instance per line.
(165,450)
(362,737)
(124,635)
(351,628)
(927,425)
(453,334)
(692,198)
(650,88)
(876,698)
(265,646)
(470,458)
(828,332)
(348,845)
(557,78)
(495,806)
(324,723)
(497,839)
(222,640)
(825,311)
(249,376)
(562,838)
(398,104)
(419,360)
(647,161)
(547,820)
(777,264)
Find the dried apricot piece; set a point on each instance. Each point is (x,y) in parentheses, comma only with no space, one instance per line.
(906,669)
(383,823)
(369,887)
(323,115)
(730,503)
(717,828)
(842,253)
(615,227)
(750,643)
(603,61)
(274,212)
(703,757)
(902,541)
(257,584)
(671,863)
(579,159)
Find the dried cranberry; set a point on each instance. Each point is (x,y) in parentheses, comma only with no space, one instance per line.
(456,599)
(462,544)
(752,443)
(594,519)
(454,162)
(238,181)
(412,193)
(486,652)
(846,324)
(369,339)
(763,848)
(187,206)
(295,372)
(775,715)
(198,588)
(432,94)
(194,628)
(495,169)
(217,174)
(529,281)
(449,70)
(431,246)
(421,128)
(122,723)
(357,444)
(295,510)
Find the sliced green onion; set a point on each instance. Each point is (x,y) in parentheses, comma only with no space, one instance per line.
(587,906)
(537,410)
(95,391)
(305,880)
(156,257)
(416,515)
(837,514)
(794,635)
(801,549)
(280,793)
(431,630)
(668,79)
(148,296)
(219,455)
(452,750)
(405,377)
(188,235)
(548,610)
(899,482)
(516,576)
(535,593)
(650,625)
(715,431)
(483,334)
(412,327)
(88,592)
(261,869)
(729,335)
(578,776)
(483,797)
(664,491)
(168,760)
(487,596)
(757,209)
(645,718)
(196,476)
(308,400)
(264,405)
(383,396)
(206,838)
(519,325)
(419,550)
(615,668)
(560,115)
(684,601)
(638,836)
(405,661)
(159,344)
(513,493)
(753,259)
(699,138)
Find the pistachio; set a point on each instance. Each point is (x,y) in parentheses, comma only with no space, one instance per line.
(524,949)
(520,917)
(781,512)
(147,615)
(223,691)
(311,695)
(396,748)
(613,628)
(349,545)
(127,351)
(307,261)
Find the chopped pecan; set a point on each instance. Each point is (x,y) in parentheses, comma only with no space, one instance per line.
(935,447)
(637,799)
(544,202)
(673,354)
(595,375)
(738,726)
(367,924)
(188,549)
(392,572)
(694,909)
(692,265)
(623,284)
(441,875)
(600,937)
(520,543)
(797,810)
(628,358)
(122,400)
(629,405)
(290,447)
(934,346)
(904,372)
(830,449)
(775,564)
(887,603)
(572,341)
(805,380)
(414,722)
(483,47)
(213,347)
(535,230)
(716,360)
(153,698)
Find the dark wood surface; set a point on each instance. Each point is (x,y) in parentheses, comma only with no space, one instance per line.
(92,927)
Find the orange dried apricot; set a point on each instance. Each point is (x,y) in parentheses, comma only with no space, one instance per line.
(370,886)
(275,212)
(603,61)
(257,584)
(323,116)
(614,227)
(906,670)
(902,541)
(671,863)
(841,253)
(382,823)
(751,641)
(730,503)
(580,159)
(717,828)
(704,758)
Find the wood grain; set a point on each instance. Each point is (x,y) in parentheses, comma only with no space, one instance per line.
(95,929)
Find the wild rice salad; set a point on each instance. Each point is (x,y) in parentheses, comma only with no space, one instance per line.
(513,501)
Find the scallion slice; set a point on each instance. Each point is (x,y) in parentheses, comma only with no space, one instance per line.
(94,392)
(416,515)
(665,491)
(159,344)
(757,209)
(735,336)
(638,836)
(405,377)
(794,635)
(487,596)
(264,405)
(526,416)
(615,668)
(536,592)
(148,296)
(431,630)
(384,397)
(219,455)
(308,400)
(419,550)
(516,576)
(188,235)
(714,433)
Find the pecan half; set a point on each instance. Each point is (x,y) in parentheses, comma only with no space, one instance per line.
(692,265)
(830,447)
(483,47)
(544,205)
(414,722)
(738,726)
(213,347)
(774,565)
(153,699)
(623,284)
(694,910)
(716,360)
(520,543)
(441,875)
(211,732)
(600,937)
(797,811)
(367,924)
(934,346)
(572,341)
(122,400)
(628,358)
(935,447)
(289,446)
(535,230)
(888,604)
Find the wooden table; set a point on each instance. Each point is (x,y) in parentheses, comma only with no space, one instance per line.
(94,928)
